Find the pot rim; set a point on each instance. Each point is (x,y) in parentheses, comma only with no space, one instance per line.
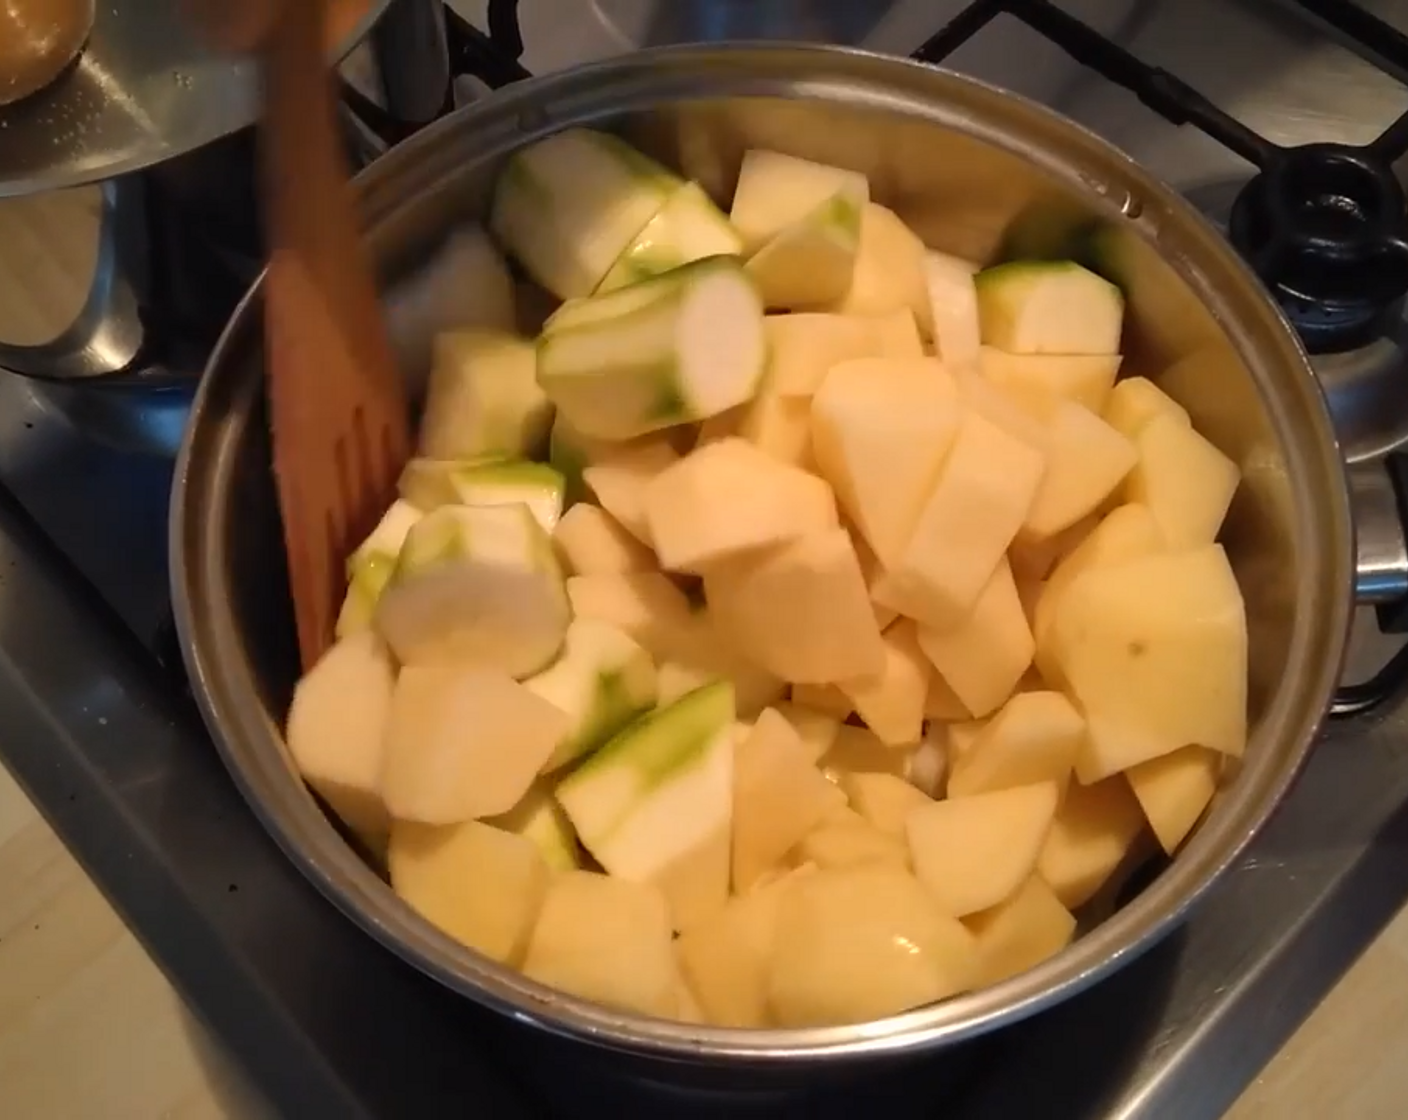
(251,744)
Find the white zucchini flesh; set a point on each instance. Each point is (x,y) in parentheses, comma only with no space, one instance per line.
(1049,307)
(670,350)
(953,303)
(369,569)
(602,681)
(689,227)
(483,398)
(476,585)
(568,206)
(776,190)
(659,788)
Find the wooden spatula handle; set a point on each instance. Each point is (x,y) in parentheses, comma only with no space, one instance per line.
(337,401)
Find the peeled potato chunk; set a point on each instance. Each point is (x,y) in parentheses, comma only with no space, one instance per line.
(729,498)
(889,270)
(479,884)
(857,750)
(619,480)
(862,944)
(1020,933)
(607,940)
(1155,653)
(883,799)
(1186,482)
(892,701)
(1127,532)
(1174,790)
(778,797)
(726,958)
(1032,738)
(646,606)
(816,730)
(337,731)
(880,432)
(845,839)
(594,543)
(803,347)
(464,742)
(974,852)
(823,698)
(984,656)
(1086,461)
(1135,401)
(800,609)
(1093,831)
(1085,379)
(986,487)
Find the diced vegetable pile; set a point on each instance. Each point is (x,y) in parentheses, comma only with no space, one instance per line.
(800,630)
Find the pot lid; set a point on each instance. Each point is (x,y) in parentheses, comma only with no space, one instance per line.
(146,89)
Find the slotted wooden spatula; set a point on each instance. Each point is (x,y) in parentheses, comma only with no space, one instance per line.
(337,402)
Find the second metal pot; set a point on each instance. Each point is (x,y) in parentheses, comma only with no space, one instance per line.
(970,168)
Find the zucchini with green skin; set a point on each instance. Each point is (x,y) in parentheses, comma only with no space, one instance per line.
(670,350)
(776,191)
(1049,307)
(483,398)
(658,789)
(689,227)
(476,585)
(568,206)
(811,263)
(602,681)
(429,484)
(369,569)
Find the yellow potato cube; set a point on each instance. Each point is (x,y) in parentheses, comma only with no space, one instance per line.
(1186,482)
(607,940)
(846,840)
(778,797)
(1174,790)
(593,543)
(881,430)
(480,885)
(883,799)
(1127,532)
(823,698)
(619,480)
(1033,738)
(1135,401)
(815,729)
(646,606)
(1094,829)
(800,610)
(889,270)
(1155,654)
(464,742)
(726,959)
(803,348)
(1085,379)
(986,487)
(897,335)
(858,750)
(892,702)
(1086,461)
(862,944)
(727,499)
(971,853)
(984,657)
(1020,933)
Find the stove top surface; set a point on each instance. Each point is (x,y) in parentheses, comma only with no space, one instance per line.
(104,739)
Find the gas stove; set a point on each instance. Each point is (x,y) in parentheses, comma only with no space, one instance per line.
(1283,120)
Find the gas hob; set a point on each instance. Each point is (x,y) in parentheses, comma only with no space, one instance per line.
(95,723)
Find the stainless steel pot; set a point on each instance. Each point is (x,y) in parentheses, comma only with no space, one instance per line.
(968,166)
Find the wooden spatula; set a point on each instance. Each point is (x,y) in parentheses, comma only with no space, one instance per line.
(337,403)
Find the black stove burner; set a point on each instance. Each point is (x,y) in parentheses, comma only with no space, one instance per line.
(1323,225)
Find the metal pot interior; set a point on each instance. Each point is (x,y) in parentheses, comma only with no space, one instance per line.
(971,169)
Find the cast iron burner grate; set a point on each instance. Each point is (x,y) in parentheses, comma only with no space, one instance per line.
(1323,225)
